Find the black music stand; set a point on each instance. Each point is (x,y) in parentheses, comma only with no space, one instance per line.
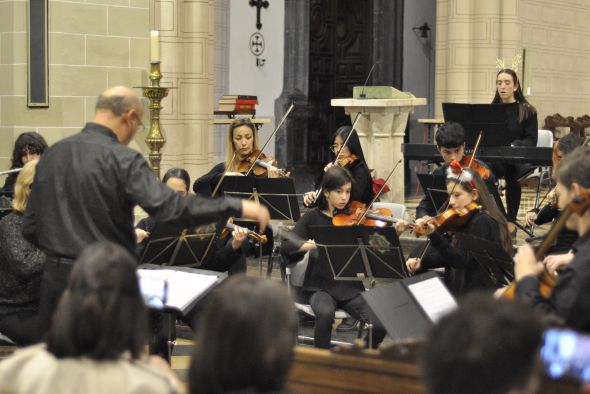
(407,308)
(492,119)
(435,187)
(359,253)
(171,245)
(490,256)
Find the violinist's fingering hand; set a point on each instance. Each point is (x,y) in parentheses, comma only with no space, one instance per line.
(401,226)
(238,236)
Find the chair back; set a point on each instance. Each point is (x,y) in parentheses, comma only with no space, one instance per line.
(397,210)
(544,139)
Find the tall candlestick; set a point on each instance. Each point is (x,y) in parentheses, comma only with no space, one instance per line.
(154,46)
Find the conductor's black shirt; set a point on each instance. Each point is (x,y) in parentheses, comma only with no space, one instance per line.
(86,187)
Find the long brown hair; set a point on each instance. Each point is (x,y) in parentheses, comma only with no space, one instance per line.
(489,205)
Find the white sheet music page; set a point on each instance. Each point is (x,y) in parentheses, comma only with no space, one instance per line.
(183,287)
(434,298)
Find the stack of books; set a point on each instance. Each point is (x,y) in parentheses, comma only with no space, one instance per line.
(235,104)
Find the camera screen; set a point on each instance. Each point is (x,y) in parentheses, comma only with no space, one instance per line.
(153,291)
(566,353)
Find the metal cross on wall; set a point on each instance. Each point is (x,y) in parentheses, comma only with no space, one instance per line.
(258,4)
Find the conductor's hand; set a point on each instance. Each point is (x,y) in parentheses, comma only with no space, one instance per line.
(413,264)
(530,217)
(238,236)
(309,198)
(257,212)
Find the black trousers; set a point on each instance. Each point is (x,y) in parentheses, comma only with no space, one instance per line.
(53,283)
(324,307)
(21,327)
(511,173)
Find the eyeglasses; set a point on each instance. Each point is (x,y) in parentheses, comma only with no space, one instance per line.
(335,148)
(141,128)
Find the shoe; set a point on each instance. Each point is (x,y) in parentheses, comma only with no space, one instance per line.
(348,324)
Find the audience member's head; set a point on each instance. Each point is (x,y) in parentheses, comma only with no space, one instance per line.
(27,147)
(485,347)
(22,187)
(101,314)
(245,338)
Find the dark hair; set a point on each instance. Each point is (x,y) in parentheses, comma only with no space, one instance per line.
(353,144)
(117,104)
(569,142)
(525,109)
(101,314)
(575,167)
(450,135)
(245,338)
(333,179)
(484,347)
(28,142)
(490,206)
(179,173)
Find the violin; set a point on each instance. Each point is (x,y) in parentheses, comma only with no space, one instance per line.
(358,214)
(470,162)
(547,281)
(450,219)
(261,238)
(257,163)
(346,162)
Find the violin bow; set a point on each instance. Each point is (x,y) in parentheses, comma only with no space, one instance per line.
(270,137)
(222,177)
(378,194)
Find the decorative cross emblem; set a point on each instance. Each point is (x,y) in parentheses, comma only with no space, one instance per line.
(258,4)
(256,44)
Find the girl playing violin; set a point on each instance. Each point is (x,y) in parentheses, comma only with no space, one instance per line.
(327,294)
(352,158)
(462,272)
(241,143)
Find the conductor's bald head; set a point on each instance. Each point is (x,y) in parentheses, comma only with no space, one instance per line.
(120,109)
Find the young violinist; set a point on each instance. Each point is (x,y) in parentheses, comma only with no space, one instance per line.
(462,272)
(351,157)
(522,123)
(241,147)
(327,294)
(569,299)
(450,143)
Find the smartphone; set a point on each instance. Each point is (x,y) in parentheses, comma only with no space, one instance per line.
(566,353)
(154,291)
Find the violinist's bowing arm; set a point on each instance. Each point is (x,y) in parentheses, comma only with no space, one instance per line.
(525,263)
(307,246)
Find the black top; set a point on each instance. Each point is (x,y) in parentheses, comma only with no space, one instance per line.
(205,185)
(318,276)
(8,188)
(569,299)
(565,239)
(362,183)
(525,133)
(426,207)
(86,187)
(462,272)
(21,266)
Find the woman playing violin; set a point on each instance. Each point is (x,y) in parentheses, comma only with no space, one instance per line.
(351,157)
(325,293)
(241,150)
(462,272)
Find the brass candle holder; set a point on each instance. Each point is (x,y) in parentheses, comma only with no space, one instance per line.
(155,139)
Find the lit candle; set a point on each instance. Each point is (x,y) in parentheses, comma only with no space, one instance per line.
(154,46)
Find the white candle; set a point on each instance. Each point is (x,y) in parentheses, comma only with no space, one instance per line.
(154,46)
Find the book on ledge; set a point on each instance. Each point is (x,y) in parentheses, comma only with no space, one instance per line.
(239,96)
(231,114)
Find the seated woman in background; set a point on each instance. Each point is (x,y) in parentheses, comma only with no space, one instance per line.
(21,267)
(97,340)
(28,146)
(245,339)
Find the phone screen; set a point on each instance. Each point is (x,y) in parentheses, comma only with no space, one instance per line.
(154,291)
(566,353)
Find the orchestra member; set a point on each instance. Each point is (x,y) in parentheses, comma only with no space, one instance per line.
(522,124)
(450,143)
(352,158)
(28,146)
(327,294)
(462,271)
(569,299)
(21,266)
(241,146)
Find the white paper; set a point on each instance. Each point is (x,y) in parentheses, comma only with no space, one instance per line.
(433,297)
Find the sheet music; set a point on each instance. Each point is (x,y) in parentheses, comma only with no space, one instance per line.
(433,297)
(183,287)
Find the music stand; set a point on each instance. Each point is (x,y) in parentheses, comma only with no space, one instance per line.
(490,256)
(407,308)
(171,245)
(492,119)
(435,187)
(358,253)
